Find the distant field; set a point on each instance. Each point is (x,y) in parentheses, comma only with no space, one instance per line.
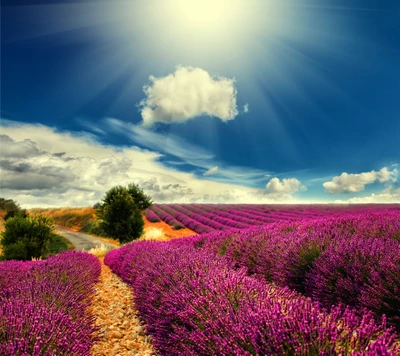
(203,218)
(85,220)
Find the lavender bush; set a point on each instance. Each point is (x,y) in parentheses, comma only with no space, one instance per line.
(43,305)
(202,306)
(363,272)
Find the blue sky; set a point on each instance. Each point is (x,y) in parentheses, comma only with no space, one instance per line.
(215,101)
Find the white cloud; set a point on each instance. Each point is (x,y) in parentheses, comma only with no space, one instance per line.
(388,195)
(188,93)
(65,169)
(211,171)
(352,183)
(283,189)
(246,108)
(287,185)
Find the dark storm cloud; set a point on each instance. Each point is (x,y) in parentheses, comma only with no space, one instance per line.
(25,176)
(21,149)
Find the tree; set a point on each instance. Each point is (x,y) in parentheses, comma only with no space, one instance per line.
(121,215)
(12,208)
(142,200)
(27,237)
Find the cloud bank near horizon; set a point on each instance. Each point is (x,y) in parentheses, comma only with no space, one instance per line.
(42,167)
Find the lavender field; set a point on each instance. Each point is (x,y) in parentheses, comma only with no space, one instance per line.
(322,281)
(43,305)
(203,218)
(321,286)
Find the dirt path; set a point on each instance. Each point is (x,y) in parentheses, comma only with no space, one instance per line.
(80,240)
(120,331)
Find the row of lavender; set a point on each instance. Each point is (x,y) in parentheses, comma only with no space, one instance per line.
(195,303)
(205,218)
(43,305)
(350,260)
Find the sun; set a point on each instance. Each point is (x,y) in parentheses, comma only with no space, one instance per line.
(204,12)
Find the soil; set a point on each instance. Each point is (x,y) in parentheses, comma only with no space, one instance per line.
(169,232)
(120,330)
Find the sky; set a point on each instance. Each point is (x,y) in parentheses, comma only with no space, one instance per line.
(200,101)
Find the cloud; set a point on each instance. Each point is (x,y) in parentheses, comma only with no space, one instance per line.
(86,169)
(10,148)
(387,196)
(282,189)
(287,185)
(353,183)
(211,171)
(23,175)
(246,108)
(188,93)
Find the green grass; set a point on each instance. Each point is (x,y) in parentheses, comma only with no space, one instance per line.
(59,244)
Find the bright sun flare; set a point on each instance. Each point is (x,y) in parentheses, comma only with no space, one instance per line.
(204,12)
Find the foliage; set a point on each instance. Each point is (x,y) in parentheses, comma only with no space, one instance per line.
(79,219)
(25,238)
(8,204)
(122,219)
(94,227)
(12,208)
(141,200)
(68,217)
(58,244)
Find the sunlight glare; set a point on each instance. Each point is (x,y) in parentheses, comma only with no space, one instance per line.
(204,12)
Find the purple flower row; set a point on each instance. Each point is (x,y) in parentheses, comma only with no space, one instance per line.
(207,217)
(164,216)
(225,217)
(352,260)
(195,303)
(151,216)
(43,305)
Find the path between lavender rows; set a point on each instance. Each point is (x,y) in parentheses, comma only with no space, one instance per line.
(120,332)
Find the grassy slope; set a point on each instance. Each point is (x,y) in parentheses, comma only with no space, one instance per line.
(76,219)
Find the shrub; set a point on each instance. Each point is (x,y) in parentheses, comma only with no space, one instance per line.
(12,209)
(94,227)
(25,238)
(12,213)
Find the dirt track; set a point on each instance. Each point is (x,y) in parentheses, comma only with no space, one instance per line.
(80,240)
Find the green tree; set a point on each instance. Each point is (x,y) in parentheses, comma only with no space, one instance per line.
(12,208)
(27,237)
(142,200)
(121,217)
